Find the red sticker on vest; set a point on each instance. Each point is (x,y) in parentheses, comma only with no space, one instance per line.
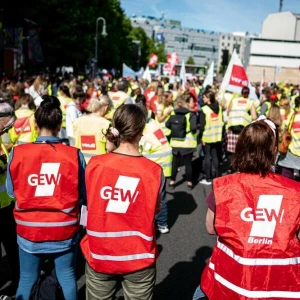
(22,125)
(88,142)
(242,102)
(214,116)
(115,98)
(160,136)
(296,127)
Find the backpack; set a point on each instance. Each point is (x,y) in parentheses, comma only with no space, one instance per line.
(178,126)
(47,287)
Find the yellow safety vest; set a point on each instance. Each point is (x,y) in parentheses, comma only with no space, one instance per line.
(284,118)
(165,130)
(49,89)
(293,100)
(190,140)
(89,135)
(64,101)
(294,146)
(118,98)
(268,103)
(23,131)
(155,146)
(5,200)
(213,125)
(239,115)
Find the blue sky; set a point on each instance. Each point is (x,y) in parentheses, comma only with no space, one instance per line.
(218,15)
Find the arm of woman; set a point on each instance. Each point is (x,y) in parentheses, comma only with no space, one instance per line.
(210,216)
(9,184)
(193,122)
(161,188)
(253,112)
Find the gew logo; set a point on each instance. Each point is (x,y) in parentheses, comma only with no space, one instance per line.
(46,180)
(122,195)
(265,217)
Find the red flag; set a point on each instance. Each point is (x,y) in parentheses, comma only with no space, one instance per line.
(153,60)
(238,76)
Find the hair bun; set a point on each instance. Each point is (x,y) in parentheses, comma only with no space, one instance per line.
(50,102)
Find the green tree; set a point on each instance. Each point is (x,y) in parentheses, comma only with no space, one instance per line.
(190,61)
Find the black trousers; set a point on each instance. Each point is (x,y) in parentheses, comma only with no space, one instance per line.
(8,238)
(211,159)
(187,161)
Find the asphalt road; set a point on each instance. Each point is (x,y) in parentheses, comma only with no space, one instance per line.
(183,251)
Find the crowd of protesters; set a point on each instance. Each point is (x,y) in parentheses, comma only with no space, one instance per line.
(130,128)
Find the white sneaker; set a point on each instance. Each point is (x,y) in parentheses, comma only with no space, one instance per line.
(206,182)
(163,229)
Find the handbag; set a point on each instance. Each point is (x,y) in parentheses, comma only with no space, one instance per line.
(286,138)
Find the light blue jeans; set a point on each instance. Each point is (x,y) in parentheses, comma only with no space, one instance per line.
(30,268)
(198,293)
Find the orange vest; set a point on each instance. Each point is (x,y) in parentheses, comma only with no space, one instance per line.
(121,207)
(45,180)
(257,253)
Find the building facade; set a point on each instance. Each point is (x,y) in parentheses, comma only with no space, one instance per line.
(240,41)
(200,44)
(276,55)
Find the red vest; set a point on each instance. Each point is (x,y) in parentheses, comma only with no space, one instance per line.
(122,193)
(45,180)
(257,253)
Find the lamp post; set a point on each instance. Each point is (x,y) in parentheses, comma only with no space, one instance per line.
(104,34)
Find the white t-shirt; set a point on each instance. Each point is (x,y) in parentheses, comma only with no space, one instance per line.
(72,113)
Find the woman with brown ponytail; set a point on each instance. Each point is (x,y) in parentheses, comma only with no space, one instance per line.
(123,195)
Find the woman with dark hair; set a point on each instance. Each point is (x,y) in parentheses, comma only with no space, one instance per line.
(211,128)
(290,162)
(24,130)
(183,147)
(47,179)
(120,244)
(256,215)
(240,112)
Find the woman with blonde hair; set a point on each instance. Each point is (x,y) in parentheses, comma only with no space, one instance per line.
(285,111)
(88,129)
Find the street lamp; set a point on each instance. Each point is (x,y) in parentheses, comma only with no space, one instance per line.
(104,34)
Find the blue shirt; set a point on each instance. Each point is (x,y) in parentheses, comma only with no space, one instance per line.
(58,246)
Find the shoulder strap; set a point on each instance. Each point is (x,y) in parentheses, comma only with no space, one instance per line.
(291,123)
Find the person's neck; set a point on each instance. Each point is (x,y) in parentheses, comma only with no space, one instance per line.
(129,149)
(46,132)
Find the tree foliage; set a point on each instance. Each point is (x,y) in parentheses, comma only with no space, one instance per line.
(190,61)
(68,29)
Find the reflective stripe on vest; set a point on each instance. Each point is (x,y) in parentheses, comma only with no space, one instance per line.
(258,261)
(155,146)
(123,257)
(119,234)
(213,125)
(252,294)
(46,224)
(161,154)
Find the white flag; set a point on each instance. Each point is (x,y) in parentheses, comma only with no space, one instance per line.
(182,74)
(236,78)
(147,74)
(209,79)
